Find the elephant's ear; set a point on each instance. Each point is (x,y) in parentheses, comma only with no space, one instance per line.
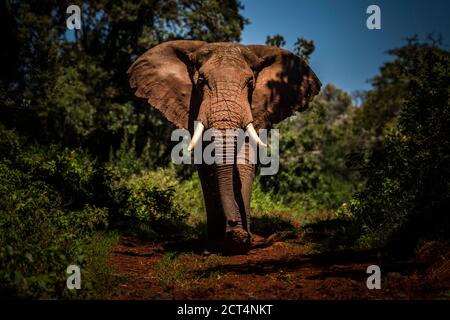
(285,84)
(161,75)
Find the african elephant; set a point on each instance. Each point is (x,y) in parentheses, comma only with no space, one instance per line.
(224,86)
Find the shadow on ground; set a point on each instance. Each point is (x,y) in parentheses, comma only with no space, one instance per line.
(299,264)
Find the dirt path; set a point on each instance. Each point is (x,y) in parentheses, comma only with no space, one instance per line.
(285,270)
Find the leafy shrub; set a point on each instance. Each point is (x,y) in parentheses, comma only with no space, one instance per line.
(146,204)
(314,145)
(44,227)
(189,196)
(54,201)
(264,202)
(407,191)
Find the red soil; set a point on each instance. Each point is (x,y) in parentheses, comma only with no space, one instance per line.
(285,270)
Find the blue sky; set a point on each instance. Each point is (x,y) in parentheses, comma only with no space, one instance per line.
(347,53)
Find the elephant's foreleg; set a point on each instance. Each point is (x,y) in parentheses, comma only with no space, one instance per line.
(214,214)
(243,190)
(227,191)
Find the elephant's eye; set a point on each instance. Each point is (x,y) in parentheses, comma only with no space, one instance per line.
(250,83)
(201,79)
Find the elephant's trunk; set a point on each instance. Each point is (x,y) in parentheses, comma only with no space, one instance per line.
(250,129)
(225,107)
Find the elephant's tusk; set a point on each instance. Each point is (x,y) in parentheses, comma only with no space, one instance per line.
(196,137)
(252,133)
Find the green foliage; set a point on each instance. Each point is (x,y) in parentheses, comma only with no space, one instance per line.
(304,48)
(263,202)
(72,89)
(54,200)
(76,147)
(382,105)
(407,191)
(211,20)
(79,156)
(44,227)
(189,196)
(276,41)
(151,200)
(313,148)
(66,104)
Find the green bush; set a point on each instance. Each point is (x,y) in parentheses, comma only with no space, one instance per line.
(408,175)
(53,203)
(151,200)
(46,220)
(189,195)
(314,146)
(147,204)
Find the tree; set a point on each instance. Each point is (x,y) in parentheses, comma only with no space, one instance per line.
(75,143)
(383,104)
(72,88)
(304,48)
(406,196)
(313,149)
(276,41)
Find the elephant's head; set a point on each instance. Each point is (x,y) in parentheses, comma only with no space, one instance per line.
(224,86)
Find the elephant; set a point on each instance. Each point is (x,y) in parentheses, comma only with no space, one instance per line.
(224,86)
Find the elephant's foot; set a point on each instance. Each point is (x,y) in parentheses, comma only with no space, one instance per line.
(260,242)
(257,239)
(236,241)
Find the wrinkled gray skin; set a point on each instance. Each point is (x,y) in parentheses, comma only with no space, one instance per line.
(225,86)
